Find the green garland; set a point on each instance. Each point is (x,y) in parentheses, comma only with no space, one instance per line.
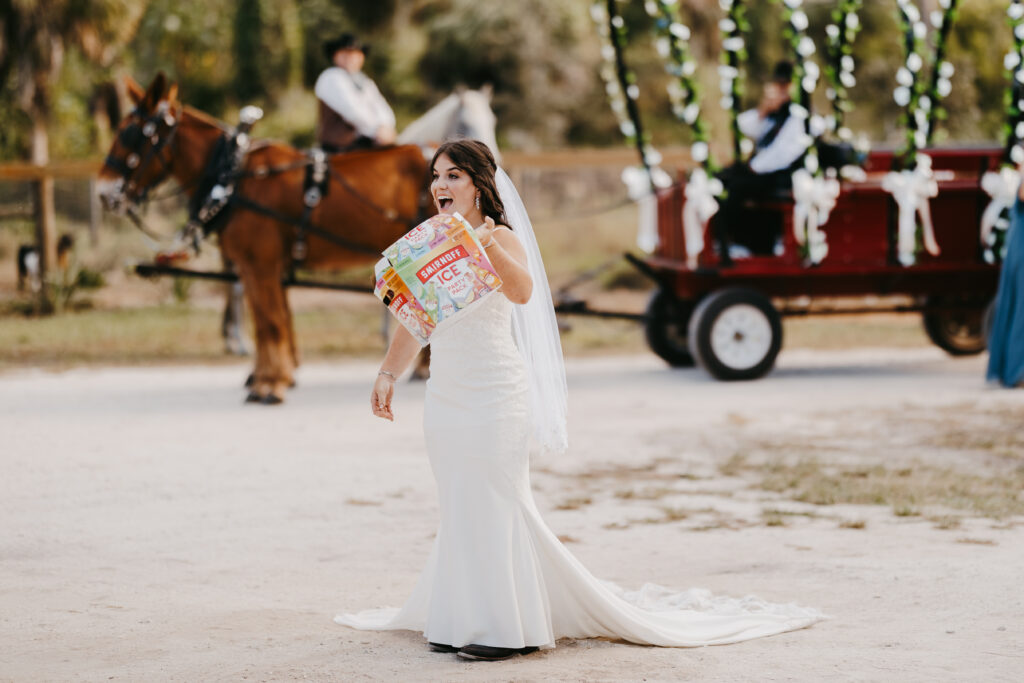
(840,35)
(805,75)
(734,55)
(621,82)
(994,249)
(942,71)
(909,91)
(673,38)
(1013,97)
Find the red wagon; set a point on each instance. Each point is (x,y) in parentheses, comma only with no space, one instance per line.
(726,316)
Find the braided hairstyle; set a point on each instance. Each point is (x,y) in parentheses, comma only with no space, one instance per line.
(475,159)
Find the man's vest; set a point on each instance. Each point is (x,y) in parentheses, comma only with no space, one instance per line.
(778,119)
(333,131)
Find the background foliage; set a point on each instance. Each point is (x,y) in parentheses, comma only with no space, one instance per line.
(541,56)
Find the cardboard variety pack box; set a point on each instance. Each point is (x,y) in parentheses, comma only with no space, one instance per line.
(433,273)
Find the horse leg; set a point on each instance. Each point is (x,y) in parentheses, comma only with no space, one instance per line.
(270,313)
(231,322)
(258,309)
(281,365)
(293,346)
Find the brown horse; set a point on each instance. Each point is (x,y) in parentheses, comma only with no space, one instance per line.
(374,197)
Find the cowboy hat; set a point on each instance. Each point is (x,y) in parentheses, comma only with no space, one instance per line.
(346,41)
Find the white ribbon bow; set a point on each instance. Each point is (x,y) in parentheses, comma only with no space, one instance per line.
(814,197)
(638,185)
(1002,188)
(699,207)
(912,189)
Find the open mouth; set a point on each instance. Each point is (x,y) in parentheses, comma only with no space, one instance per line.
(444,203)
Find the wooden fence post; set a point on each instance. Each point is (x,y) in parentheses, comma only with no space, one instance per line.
(46,213)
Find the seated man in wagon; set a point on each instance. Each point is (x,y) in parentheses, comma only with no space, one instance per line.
(780,141)
(353,114)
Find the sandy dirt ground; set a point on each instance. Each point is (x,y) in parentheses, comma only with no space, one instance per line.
(152,527)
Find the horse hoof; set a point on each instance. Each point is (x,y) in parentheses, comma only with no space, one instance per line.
(271,400)
(250,380)
(253,397)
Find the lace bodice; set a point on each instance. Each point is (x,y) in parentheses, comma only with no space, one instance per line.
(478,343)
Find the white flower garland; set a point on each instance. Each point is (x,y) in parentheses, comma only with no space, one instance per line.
(806,74)
(913,187)
(672,43)
(623,92)
(840,36)
(616,96)
(908,93)
(1013,62)
(734,54)
(942,71)
(814,195)
(1002,186)
(702,189)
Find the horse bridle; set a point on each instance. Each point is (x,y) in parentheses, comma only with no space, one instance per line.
(126,194)
(132,137)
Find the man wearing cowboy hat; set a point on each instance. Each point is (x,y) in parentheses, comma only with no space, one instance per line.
(353,113)
(780,143)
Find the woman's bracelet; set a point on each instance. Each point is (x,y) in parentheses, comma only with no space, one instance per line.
(389,374)
(490,242)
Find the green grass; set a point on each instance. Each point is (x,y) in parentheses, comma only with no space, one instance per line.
(187,334)
(906,490)
(166,334)
(184,333)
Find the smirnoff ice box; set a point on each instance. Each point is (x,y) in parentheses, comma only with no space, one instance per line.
(444,269)
(396,295)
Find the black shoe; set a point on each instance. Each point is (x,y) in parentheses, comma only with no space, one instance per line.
(487,653)
(441,647)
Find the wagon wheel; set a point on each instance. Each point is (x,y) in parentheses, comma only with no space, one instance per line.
(668,319)
(959,330)
(735,334)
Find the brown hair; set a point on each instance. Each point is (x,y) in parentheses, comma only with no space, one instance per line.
(475,159)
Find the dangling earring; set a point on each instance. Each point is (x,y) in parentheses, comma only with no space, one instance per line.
(478,202)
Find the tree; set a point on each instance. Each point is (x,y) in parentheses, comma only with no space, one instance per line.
(249,78)
(540,55)
(36,36)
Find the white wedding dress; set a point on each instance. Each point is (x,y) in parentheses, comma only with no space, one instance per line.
(497,575)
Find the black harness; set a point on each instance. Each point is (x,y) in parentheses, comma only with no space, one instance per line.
(316,185)
(217,189)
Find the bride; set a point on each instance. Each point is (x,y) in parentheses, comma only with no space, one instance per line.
(498,582)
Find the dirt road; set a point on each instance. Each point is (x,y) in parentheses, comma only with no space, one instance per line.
(154,528)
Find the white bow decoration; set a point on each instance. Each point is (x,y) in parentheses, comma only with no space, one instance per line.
(1002,188)
(912,189)
(699,207)
(814,197)
(638,185)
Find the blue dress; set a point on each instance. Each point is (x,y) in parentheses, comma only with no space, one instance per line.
(1006,343)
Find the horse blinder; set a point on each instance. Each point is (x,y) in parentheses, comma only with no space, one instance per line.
(132,137)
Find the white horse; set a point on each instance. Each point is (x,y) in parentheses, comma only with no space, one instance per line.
(464,113)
